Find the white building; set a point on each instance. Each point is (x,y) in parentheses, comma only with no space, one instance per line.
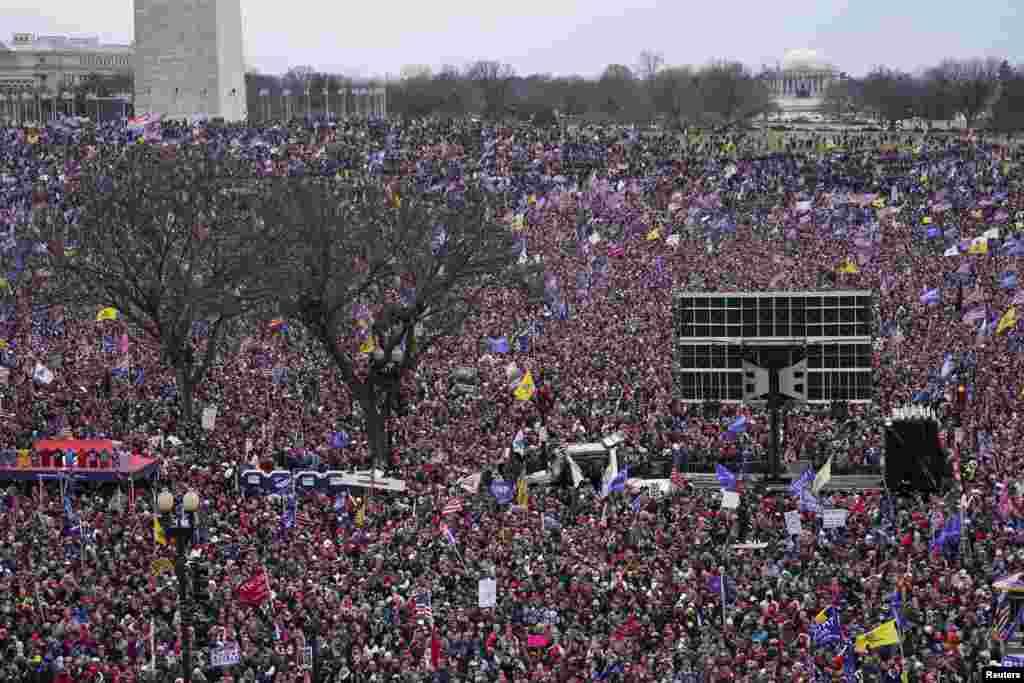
(189,59)
(800,80)
(37,73)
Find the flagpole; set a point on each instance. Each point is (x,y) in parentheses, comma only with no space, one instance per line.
(721,587)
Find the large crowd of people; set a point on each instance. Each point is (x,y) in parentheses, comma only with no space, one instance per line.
(626,586)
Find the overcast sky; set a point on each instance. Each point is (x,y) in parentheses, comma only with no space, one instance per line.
(573,36)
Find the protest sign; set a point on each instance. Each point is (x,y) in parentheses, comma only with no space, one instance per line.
(488,593)
(225,655)
(209,417)
(793,527)
(833,519)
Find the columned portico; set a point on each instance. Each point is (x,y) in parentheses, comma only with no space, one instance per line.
(800,81)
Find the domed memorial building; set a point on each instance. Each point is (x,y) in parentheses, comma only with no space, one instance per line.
(800,80)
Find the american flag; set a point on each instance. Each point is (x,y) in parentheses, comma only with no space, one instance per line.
(1002,617)
(452,506)
(423,608)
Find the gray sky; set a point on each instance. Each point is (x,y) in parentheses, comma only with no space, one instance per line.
(573,36)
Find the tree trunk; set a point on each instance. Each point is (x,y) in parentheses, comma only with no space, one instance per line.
(376,429)
(185,391)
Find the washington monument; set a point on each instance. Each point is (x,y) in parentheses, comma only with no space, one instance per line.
(188,59)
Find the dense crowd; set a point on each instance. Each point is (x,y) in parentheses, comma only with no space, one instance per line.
(626,586)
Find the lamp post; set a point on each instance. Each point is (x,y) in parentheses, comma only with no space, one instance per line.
(181,530)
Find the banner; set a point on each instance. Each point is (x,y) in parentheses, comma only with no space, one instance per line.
(209,417)
(793,527)
(833,519)
(161,565)
(488,593)
(730,500)
(225,655)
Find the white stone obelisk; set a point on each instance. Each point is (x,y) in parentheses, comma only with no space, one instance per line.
(189,59)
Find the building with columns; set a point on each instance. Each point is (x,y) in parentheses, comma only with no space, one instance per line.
(800,80)
(335,100)
(41,77)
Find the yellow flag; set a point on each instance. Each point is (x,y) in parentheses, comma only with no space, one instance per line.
(848,266)
(368,346)
(5,286)
(822,616)
(979,245)
(522,497)
(3,344)
(860,645)
(927,220)
(158,533)
(531,200)
(885,634)
(108,313)
(361,515)
(823,476)
(654,235)
(1008,321)
(524,392)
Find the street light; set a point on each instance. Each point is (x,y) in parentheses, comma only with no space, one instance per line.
(181,530)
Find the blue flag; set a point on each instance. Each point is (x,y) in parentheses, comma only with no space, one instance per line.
(801,482)
(339,439)
(896,605)
(551,522)
(829,631)
(503,491)
(498,344)
(726,479)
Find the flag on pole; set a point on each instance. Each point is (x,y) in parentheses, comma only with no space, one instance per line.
(823,477)
(255,591)
(159,536)
(108,313)
(423,607)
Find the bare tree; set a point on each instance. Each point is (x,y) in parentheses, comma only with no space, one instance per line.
(171,242)
(381,275)
(937,97)
(838,97)
(415,72)
(649,64)
(493,79)
(889,94)
(1008,110)
(674,94)
(974,84)
(730,94)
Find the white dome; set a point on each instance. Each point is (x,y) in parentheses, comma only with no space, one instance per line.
(802,59)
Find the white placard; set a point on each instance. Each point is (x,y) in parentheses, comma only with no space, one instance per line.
(793,526)
(254,479)
(730,500)
(832,519)
(225,655)
(209,417)
(488,593)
